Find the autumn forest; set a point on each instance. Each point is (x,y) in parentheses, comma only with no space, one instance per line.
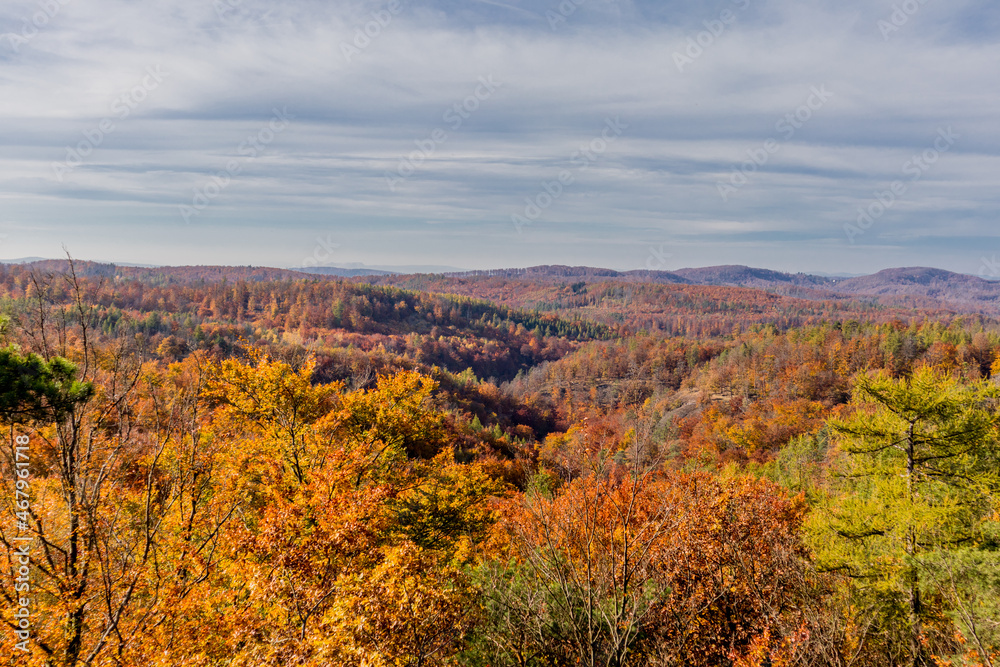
(214,466)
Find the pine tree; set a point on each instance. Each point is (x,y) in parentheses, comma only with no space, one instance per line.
(917,468)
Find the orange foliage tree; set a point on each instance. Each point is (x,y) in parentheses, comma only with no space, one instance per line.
(625,566)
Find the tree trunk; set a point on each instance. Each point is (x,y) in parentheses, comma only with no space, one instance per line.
(913,579)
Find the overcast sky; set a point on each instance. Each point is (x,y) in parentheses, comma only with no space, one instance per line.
(480,134)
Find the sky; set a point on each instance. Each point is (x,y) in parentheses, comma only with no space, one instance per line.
(839,136)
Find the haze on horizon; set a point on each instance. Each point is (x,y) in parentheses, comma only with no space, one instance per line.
(625,134)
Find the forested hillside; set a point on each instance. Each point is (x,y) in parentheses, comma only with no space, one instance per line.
(255,467)
(907,288)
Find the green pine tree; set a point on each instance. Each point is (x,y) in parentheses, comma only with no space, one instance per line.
(916,469)
(32,389)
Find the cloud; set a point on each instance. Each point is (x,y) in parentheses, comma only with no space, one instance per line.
(356,116)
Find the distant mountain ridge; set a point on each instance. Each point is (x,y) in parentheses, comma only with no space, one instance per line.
(916,287)
(344,273)
(734,275)
(907,286)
